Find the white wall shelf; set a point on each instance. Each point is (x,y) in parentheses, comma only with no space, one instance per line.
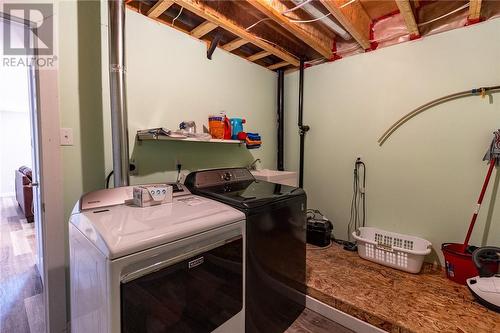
(152,137)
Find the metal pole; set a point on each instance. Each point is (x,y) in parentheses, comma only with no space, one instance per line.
(281,118)
(302,128)
(118,97)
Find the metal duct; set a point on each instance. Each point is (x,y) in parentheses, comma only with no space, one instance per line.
(316,13)
(118,97)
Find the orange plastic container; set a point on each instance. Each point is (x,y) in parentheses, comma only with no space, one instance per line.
(217,126)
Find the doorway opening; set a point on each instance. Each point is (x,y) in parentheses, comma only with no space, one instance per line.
(22,301)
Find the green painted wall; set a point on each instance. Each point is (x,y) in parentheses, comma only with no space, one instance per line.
(426,178)
(80,102)
(169,79)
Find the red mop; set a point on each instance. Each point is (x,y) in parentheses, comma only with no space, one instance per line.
(459,265)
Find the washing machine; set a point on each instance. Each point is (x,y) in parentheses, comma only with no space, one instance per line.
(176,267)
(275,243)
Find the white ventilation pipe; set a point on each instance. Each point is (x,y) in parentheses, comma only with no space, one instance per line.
(316,13)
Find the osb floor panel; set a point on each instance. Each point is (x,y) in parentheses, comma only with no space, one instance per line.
(21,304)
(393,300)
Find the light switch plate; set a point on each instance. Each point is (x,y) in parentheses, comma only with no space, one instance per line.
(66,137)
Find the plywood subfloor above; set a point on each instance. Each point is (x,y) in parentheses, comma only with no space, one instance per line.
(276,34)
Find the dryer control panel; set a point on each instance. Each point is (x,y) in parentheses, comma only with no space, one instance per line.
(209,178)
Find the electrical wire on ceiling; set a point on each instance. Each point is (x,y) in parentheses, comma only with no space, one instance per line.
(347,4)
(309,21)
(303,3)
(445,15)
(180,12)
(259,21)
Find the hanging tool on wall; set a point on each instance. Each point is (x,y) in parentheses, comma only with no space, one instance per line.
(493,156)
(458,259)
(473,92)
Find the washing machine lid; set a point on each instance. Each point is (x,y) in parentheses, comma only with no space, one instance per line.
(123,229)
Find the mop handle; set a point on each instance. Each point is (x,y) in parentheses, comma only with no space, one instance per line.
(479,202)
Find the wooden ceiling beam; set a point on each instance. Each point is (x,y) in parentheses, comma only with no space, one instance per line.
(203,29)
(200,9)
(308,33)
(354,19)
(278,65)
(159,8)
(475,10)
(407,13)
(258,55)
(234,44)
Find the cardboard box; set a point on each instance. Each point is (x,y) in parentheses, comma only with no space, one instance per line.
(152,195)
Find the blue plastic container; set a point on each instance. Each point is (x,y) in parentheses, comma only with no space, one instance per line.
(236,127)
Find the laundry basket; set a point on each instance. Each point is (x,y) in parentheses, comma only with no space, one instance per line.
(391,249)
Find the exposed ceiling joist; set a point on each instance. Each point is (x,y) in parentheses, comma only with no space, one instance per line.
(160,7)
(308,33)
(278,65)
(203,29)
(258,55)
(354,19)
(407,13)
(475,10)
(217,18)
(234,44)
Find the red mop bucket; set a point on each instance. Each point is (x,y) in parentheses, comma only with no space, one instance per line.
(459,265)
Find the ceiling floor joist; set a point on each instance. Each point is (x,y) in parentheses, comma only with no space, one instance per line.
(160,7)
(235,44)
(407,13)
(258,55)
(354,19)
(475,10)
(308,33)
(278,65)
(209,14)
(203,29)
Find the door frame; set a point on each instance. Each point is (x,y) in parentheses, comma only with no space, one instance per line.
(53,229)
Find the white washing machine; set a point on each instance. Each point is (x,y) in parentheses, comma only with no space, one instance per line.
(177,267)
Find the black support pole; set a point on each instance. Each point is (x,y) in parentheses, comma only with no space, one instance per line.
(281,118)
(302,128)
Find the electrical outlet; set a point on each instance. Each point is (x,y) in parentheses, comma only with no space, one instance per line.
(66,137)
(183,175)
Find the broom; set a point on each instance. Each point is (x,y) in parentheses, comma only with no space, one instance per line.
(493,156)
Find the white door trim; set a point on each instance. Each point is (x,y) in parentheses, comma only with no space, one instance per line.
(340,317)
(53,225)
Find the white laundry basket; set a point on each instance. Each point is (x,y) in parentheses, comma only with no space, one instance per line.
(391,249)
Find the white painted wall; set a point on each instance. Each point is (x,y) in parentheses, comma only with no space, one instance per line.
(15,140)
(15,147)
(426,178)
(169,79)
